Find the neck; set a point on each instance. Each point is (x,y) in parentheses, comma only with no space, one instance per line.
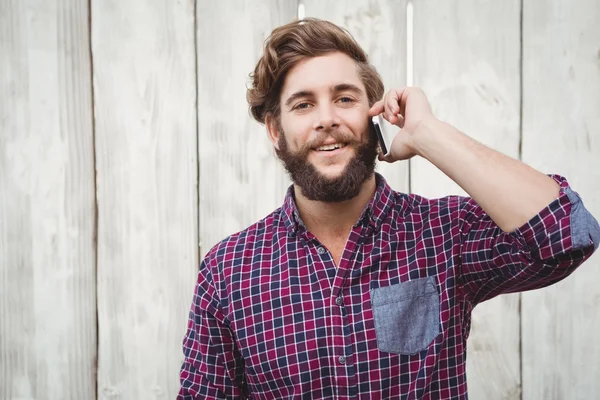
(334,219)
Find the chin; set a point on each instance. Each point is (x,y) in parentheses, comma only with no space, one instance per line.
(331,171)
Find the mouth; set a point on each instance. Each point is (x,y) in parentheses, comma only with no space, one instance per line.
(330,148)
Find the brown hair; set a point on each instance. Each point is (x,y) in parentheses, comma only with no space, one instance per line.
(291,43)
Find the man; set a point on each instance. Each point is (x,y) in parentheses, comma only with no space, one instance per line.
(352,290)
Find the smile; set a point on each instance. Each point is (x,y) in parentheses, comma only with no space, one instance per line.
(331,147)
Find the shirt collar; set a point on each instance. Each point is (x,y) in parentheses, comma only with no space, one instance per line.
(373,215)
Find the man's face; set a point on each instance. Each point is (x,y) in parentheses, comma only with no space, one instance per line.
(323,137)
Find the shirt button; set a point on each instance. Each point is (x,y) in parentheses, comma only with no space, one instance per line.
(321,250)
(342,360)
(339,301)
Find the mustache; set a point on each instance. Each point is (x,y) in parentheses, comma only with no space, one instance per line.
(338,137)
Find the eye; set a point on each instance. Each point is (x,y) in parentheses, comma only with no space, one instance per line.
(346,99)
(301,106)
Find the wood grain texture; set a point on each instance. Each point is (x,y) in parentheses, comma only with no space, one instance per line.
(145,93)
(379,27)
(241,179)
(561,134)
(466,58)
(47,216)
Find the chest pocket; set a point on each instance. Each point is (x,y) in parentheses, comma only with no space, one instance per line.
(407,316)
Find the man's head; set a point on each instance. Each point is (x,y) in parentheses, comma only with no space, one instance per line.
(313,88)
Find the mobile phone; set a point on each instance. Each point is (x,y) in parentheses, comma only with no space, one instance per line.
(376,126)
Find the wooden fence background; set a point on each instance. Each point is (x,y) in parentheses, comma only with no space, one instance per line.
(126,152)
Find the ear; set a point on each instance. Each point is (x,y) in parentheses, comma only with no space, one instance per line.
(272,130)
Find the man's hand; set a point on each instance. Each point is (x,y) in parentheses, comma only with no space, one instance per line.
(406,108)
(508,190)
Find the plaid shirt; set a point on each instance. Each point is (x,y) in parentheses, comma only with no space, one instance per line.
(273,318)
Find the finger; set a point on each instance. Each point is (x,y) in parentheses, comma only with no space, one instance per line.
(392,104)
(386,109)
(380,155)
(390,100)
(384,158)
(403,98)
(377,108)
(397,120)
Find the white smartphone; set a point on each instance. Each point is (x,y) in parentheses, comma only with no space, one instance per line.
(376,127)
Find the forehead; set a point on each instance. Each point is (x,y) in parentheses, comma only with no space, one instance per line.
(321,73)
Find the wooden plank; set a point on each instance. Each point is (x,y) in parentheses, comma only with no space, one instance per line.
(561,99)
(379,27)
(47,214)
(466,58)
(241,179)
(144,83)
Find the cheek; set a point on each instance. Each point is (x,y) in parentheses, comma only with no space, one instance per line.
(297,132)
(358,125)
(356,118)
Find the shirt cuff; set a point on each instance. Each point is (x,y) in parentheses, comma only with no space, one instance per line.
(564,225)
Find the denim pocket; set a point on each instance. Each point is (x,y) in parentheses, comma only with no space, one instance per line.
(407,315)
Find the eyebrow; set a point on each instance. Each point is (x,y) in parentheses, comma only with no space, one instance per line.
(334,89)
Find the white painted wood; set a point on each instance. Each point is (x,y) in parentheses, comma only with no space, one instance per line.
(47,252)
(561,134)
(241,178)
(466,58)
(145,93)
(147,148)
(380,29)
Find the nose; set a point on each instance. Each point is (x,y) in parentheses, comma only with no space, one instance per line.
(327,118)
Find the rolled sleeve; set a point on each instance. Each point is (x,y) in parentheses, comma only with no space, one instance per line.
(546,249)
(585,230)
(562,226)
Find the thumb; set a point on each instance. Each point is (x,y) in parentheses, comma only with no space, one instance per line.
(400,149)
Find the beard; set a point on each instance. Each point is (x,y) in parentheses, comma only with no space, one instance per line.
(316,186)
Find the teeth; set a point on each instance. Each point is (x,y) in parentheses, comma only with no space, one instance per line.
(330,147)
